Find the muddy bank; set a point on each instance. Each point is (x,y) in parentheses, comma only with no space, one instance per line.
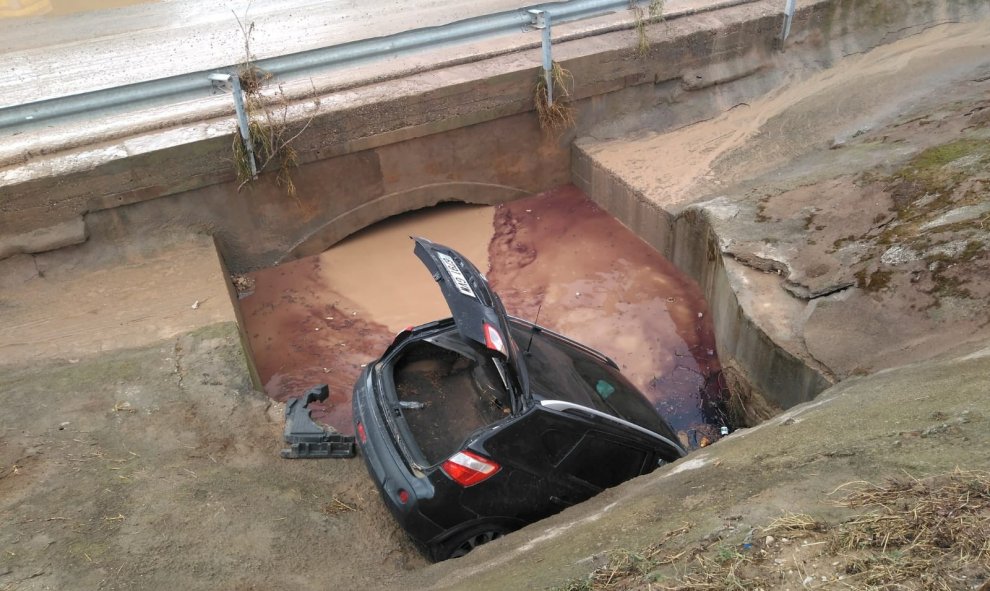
(158,468)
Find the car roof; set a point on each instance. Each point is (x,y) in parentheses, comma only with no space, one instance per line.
(564,406)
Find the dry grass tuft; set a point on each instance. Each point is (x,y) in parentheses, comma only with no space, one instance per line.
(336,506)
(795,525)
(625,565)
(734,571)
(269,125)
(270,130)
(558,116)
(253,79)
(745,404)
(931,534)
(917,530)
(652,14)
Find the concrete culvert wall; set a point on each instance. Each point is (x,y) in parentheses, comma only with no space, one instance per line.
(363,155)
(261,225)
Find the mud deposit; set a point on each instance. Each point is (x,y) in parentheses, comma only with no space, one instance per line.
(555,255)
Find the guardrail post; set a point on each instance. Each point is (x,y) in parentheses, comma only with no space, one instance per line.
(785,29)
(541,20)
(242,120)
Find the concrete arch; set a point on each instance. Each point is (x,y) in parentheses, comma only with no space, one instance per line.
(386,206)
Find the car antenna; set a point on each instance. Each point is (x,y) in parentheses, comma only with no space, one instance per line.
(535,328)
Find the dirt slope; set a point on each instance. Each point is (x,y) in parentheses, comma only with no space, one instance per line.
(158,468)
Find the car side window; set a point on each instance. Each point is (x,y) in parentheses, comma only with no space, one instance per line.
(604,463)
(558,444)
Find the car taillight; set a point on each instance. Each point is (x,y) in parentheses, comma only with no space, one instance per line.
(467,468)
(361,434)
(493,340)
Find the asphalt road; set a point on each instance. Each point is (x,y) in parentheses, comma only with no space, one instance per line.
(47,57)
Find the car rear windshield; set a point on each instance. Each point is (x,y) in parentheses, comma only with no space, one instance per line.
(563,372)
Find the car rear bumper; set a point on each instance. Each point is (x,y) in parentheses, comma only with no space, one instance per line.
(387,468)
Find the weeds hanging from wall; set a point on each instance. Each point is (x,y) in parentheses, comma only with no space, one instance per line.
(268,124)
(557,116)
(652,14)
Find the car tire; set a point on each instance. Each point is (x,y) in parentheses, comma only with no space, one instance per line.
(467,540)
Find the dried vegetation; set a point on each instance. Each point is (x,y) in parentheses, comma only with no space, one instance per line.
(908,533)
(270,127)
(556,116)
(652,14)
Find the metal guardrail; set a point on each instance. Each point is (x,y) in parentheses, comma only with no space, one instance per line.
(201,84)
(198,84)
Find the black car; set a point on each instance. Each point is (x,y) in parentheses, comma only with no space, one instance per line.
(479,424)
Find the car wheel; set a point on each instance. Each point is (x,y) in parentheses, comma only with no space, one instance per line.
(462,543)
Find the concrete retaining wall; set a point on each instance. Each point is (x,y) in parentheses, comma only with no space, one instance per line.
(748,64)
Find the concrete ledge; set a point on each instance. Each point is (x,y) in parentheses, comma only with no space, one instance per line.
(776,369)
(58,235)
(54,308)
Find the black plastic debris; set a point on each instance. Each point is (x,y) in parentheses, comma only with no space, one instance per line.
(308,440)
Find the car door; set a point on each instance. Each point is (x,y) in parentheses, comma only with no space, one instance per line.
(599,461)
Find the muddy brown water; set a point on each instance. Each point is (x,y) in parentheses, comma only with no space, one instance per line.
(555,255)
